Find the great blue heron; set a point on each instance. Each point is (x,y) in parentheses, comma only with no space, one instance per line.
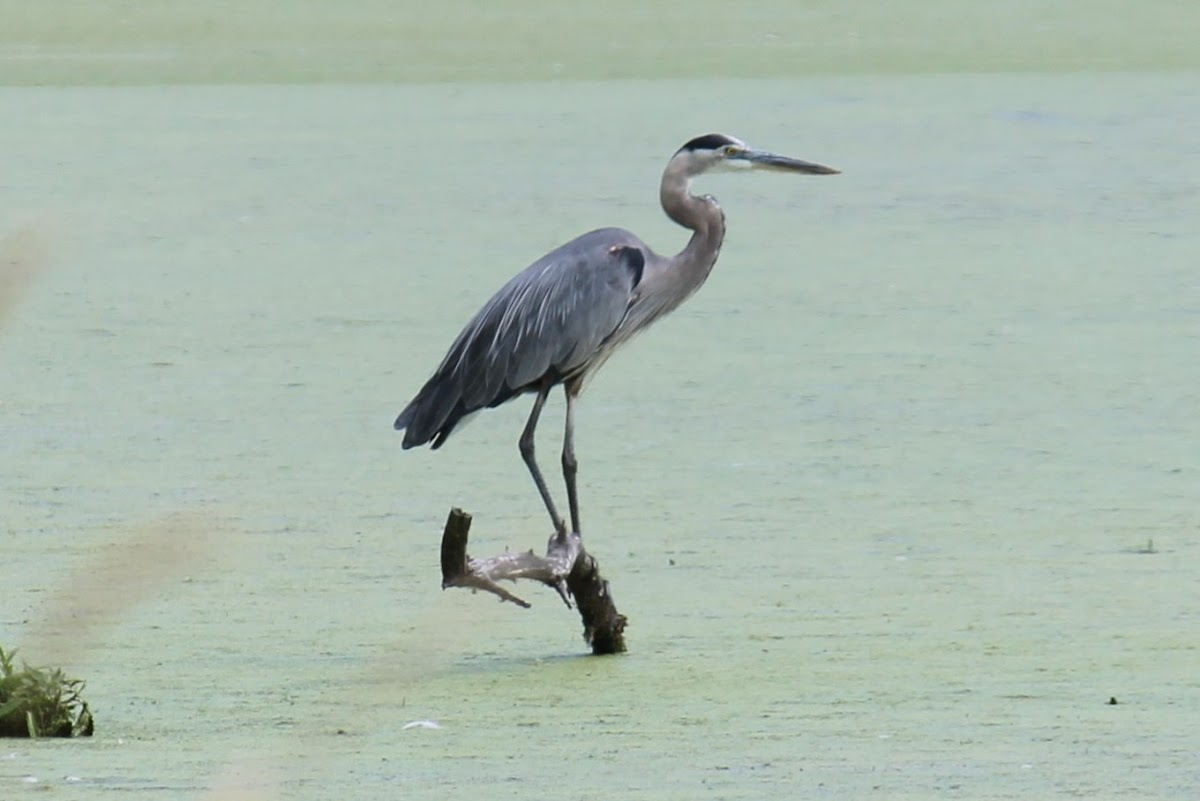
(559,319)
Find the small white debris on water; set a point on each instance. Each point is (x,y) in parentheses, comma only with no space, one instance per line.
(72,779)
(422,724)
(30,779)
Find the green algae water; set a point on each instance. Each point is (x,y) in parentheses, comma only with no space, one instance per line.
(898,504)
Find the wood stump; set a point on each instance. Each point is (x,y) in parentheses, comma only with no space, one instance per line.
(566,567)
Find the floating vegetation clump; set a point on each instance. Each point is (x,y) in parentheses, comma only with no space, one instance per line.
(40,702)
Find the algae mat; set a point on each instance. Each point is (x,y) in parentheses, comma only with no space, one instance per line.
(896,504)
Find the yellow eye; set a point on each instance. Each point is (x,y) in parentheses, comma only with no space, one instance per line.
(733,150)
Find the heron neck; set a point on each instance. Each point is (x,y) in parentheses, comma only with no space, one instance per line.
(700,214)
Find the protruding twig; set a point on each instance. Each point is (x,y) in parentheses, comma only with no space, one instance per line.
(459,570)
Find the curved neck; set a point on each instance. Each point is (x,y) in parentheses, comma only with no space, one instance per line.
(701,214)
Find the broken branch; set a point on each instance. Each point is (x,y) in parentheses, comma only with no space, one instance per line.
(566,567)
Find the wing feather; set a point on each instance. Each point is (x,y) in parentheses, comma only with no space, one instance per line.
(546,324)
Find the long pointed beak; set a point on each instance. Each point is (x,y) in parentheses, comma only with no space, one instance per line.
(761,159)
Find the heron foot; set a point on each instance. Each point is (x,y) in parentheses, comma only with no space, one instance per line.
(560,585)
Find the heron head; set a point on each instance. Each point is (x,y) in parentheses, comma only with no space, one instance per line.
(720,153)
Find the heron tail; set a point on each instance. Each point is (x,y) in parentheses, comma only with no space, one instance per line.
(405,419)
(428,417)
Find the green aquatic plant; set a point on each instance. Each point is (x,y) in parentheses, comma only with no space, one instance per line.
(40,702)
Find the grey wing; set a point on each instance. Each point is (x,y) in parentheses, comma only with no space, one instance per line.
(546,324)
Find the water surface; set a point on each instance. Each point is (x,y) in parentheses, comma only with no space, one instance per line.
(876,501)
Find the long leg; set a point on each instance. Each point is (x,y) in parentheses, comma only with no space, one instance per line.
(570,465)
(526,446)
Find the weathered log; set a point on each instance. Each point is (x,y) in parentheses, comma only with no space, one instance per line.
(566,567)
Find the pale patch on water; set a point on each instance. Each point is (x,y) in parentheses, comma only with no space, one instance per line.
(421,724)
